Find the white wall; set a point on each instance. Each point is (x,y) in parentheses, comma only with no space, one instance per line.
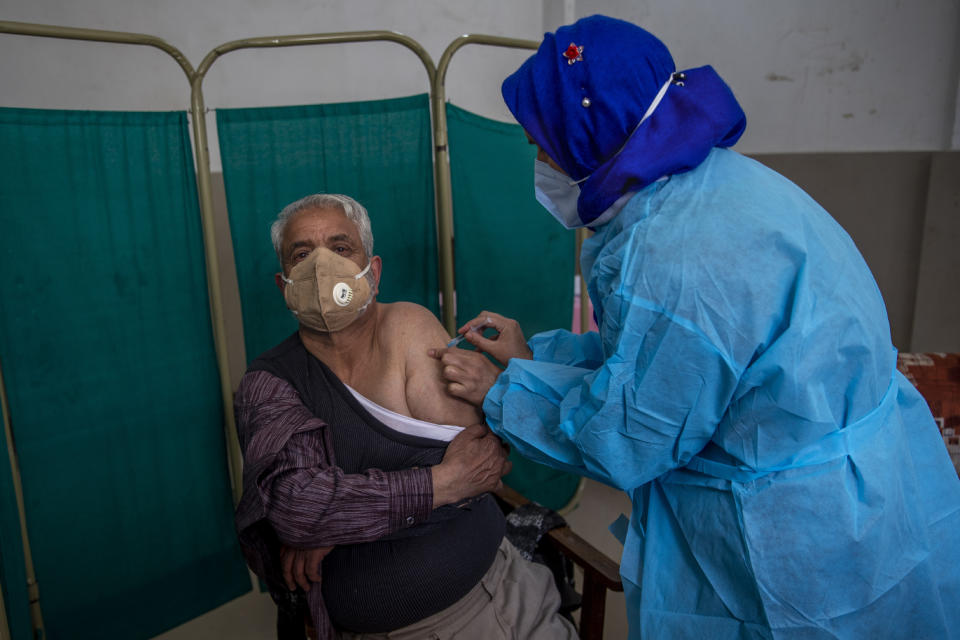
(50,73)
(821,75)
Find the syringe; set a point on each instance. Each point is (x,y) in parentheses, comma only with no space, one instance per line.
(460,338)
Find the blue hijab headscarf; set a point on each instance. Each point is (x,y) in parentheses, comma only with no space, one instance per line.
(582,95)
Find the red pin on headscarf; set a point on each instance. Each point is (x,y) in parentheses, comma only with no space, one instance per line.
(573,53)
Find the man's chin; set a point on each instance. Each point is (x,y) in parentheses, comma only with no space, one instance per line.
(366,315)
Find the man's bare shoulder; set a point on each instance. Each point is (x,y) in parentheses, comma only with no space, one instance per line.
(412,330)
(413,323)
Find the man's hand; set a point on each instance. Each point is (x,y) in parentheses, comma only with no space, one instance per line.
(508,343)
(474,463)
(468,374)
(301,566)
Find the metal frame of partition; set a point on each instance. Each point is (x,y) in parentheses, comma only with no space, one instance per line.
(444,190)
(213,287)
(33,590)
(4,625)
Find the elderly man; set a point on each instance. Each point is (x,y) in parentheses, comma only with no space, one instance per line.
(351,443)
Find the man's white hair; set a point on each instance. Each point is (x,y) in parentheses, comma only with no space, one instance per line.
(354,211)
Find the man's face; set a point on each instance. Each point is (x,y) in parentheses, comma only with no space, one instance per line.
(313,228)
(331,228)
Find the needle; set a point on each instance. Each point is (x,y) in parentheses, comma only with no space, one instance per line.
(460,338)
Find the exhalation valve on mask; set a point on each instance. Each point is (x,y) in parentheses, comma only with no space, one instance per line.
(327,292)
(342,294)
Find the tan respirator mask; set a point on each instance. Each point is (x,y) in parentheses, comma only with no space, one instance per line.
(327,292)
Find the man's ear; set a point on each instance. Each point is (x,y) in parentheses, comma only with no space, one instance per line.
(278,278)
(376,268)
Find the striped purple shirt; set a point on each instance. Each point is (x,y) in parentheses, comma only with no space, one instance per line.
(291,482)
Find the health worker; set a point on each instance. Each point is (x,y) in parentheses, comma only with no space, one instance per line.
(787,481)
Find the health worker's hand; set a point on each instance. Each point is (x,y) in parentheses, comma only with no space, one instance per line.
(301,566)
(473,463)
(508,343)
(468,374)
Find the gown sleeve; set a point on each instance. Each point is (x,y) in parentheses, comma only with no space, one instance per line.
(563,347)
(646,408)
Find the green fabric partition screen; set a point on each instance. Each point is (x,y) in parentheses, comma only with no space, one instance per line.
(111,376)
(510,256)
(377,152)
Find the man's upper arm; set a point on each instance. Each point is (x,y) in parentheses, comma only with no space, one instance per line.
(426,390)
(307,498)
(269,412)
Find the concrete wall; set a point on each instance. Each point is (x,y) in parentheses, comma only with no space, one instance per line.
(901,208)
(820,75)
(936,321)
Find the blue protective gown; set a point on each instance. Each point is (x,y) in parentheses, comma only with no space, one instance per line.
(787,481)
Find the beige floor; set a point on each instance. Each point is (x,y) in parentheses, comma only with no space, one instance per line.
(251,617)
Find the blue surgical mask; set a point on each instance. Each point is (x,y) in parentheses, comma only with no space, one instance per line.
(557,193)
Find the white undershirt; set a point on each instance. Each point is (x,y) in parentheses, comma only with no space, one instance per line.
(405,424)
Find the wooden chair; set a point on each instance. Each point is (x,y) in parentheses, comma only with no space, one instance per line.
(600,573)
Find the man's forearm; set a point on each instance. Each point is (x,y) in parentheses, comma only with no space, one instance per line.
(442,490)
(310,509)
